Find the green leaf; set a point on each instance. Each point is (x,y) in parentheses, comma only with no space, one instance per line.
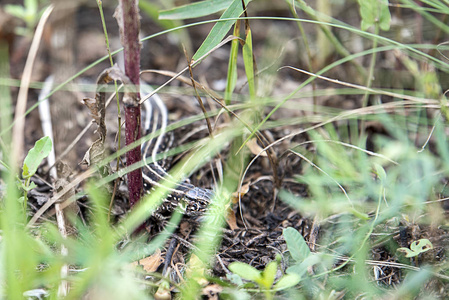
(29,187)
(35,156)
(269,274)
(152,10)
(15,10)
(287,281)
(421,245)
(358,214)
(246,271)
(296,244)
(235,279)
(416,248)
(232,66)
(380,172)
(413,284)
(194,10)
(249,63)
(31,6)
(301,268)
(25,171)
(407,252)
(374,12)
(220,29)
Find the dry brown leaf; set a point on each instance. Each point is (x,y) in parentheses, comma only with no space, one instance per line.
(91,104)
(232,220)
(255,148)
(151,263)
(95,153)
(242,192)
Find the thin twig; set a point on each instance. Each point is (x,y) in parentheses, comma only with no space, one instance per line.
(198,98)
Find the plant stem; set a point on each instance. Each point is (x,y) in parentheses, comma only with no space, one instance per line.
(129,30)
(370,79)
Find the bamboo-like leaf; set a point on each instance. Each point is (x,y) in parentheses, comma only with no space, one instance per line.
(194,10)
(249,63)
(232,66)
(220,29)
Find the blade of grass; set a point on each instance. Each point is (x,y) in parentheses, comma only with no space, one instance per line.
(248,59)
(11,210)
(232,66)
(194,10)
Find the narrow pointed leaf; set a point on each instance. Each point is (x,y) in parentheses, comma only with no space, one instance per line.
(232,66)
(249,64)
(221,29)
(194,10)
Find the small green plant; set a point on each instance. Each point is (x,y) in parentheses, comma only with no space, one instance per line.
(416,248)
(32,161)
(299,251)
(29,13)
(373,13)
(265,279)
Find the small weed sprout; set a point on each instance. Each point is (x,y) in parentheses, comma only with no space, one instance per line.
(32,161)
(29,13)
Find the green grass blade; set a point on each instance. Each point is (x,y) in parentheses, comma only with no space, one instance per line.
(194,10)
(232,66)
(249,64)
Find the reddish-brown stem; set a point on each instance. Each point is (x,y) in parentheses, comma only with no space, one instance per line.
(129,30)
(132,133)
(130,38)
